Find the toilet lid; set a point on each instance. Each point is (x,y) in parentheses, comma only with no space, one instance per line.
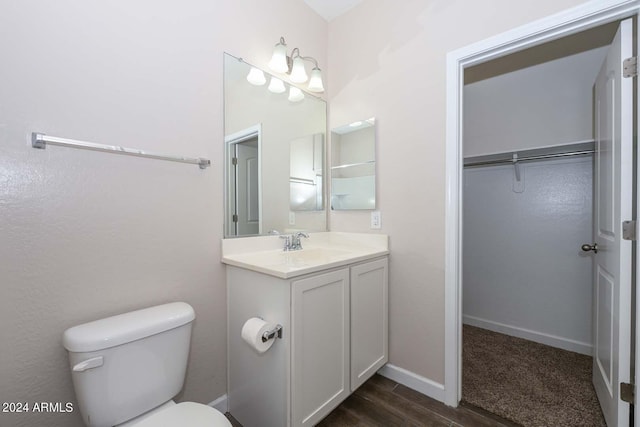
(186,414)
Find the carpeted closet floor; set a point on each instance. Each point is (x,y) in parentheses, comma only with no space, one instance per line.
(529,383)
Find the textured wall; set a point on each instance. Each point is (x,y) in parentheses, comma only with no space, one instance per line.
(84,234)
(388,60)
(545,104)
(509,235)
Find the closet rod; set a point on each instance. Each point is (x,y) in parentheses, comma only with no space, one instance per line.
(40,140)
(524,159)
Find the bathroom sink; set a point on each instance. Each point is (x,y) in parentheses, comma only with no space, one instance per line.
(330,253)
(296,259)
(315,255)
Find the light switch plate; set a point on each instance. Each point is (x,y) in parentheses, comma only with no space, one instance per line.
(376,220)
(292,218)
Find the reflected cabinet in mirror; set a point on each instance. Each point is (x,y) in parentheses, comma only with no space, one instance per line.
(353,166)
(274,154)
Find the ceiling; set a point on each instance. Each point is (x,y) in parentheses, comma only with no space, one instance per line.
(330,9)
(560,48)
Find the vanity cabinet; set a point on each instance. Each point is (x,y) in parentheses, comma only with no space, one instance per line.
(369,320)
(334,338)
(320,340)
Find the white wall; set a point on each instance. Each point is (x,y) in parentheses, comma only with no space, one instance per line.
(387,60)
(542,105)
(86,234)
(523,271)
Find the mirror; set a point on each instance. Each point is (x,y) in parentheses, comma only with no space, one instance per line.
(353,166)
(305,180)
(274,154)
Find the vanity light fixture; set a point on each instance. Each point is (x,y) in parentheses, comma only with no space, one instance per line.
(315,83)
(256,77)
(298,73)
(295,94)
(276,85)
(279,60)
(294,65)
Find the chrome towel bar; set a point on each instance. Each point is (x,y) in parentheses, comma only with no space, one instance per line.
(40,140)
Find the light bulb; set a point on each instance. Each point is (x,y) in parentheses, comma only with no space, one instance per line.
(298,73)
(256,77)
(276,85)
(295,94)
(315,83)
(278,61)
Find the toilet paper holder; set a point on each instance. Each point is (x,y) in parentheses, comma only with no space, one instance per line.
(270,334)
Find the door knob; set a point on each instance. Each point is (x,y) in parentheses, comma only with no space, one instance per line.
(587,247)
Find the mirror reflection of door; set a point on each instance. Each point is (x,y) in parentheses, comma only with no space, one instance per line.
(243,166)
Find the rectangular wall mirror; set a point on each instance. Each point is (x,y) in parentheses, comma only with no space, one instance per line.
(274,154)
(353,166)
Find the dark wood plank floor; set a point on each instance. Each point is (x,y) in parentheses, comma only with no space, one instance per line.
(381,402)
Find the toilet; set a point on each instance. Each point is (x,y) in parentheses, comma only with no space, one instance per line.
(126,369)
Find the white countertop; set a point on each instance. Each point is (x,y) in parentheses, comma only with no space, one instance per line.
(320,251)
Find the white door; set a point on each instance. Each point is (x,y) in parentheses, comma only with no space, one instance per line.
(247,188)
(243,184)
(613,175)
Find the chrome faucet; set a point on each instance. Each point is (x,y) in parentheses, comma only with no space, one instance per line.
(292,242)
(295,240)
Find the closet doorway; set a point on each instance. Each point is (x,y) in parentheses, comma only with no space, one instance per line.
(529,295)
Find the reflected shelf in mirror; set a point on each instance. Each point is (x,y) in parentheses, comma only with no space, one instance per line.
(353,172)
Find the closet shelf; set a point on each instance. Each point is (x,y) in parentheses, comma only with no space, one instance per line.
(353,164)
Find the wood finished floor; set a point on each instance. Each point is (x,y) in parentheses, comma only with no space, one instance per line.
(385,403)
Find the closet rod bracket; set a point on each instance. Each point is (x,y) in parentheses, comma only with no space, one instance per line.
(516,165)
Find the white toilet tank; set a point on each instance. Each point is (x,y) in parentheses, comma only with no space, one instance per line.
(126,365)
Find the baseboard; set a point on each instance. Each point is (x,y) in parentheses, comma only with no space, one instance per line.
(414,381)
(539,337)
(220,404)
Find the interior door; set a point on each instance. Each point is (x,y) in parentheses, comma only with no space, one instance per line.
(613,175)
(243,201)
(247,187)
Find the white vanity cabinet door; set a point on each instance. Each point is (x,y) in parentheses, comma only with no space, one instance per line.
(320,345)
(369,321)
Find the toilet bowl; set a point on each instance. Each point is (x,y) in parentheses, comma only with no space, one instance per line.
(126,369)
(181,414)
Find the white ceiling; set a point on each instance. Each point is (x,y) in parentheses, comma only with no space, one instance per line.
(330,9)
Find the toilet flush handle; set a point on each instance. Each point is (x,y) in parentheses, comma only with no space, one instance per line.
(94,362)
